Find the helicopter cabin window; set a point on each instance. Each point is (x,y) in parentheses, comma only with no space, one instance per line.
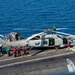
(51,41)
(44,42)
(36,38)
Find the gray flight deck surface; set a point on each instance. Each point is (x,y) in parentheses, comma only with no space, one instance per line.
(38,62)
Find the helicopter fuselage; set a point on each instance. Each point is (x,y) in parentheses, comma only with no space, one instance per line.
(46,40)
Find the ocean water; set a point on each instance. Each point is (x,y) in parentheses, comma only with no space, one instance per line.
(36,14)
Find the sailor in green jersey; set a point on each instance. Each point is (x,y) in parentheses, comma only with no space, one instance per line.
(51,42)
(8,50)
(54,27)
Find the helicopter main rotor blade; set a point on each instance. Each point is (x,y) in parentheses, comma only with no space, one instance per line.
(37,29)
(27,29)
(20,28)
(1,35)
(61,28)
(64,33)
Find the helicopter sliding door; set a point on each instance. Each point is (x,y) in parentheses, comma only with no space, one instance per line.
(51,42)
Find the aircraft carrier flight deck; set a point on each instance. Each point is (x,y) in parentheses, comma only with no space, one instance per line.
(37,62)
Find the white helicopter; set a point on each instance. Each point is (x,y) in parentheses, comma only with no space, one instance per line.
(48,38)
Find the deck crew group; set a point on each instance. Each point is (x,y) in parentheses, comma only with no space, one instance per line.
(16,51)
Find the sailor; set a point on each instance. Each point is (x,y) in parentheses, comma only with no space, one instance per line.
(19,50)
(8,50)
(0,50)
(56,48)
(54,27)
(15,52)
(51,42)
(68,46)
(24,50)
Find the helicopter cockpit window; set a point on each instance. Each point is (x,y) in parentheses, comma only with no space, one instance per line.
(44,42)
(36,38)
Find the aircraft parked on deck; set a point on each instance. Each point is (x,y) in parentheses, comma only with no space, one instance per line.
(48,38)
